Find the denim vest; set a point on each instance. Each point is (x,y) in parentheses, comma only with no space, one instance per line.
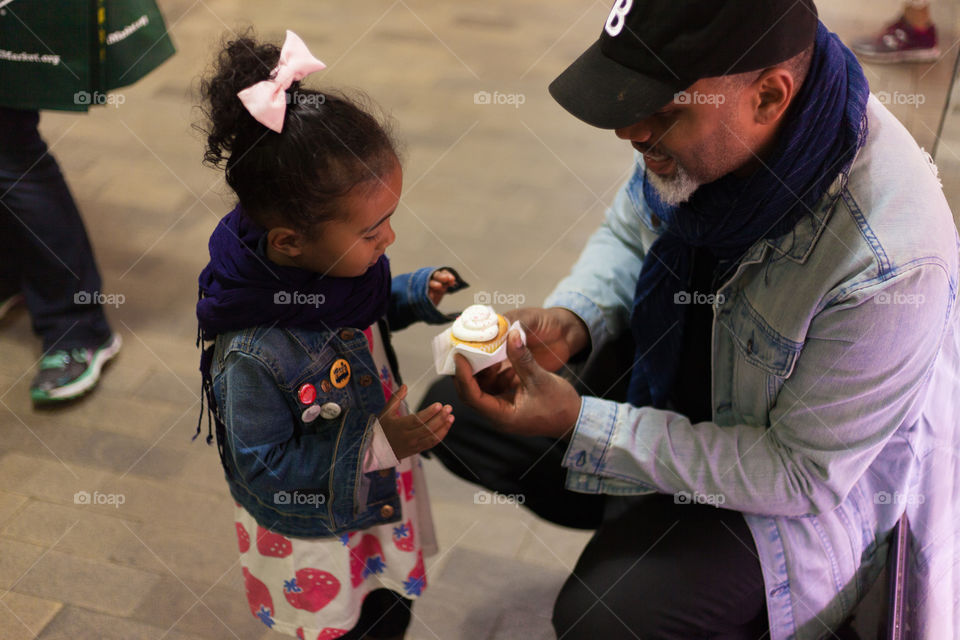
(835,392)
(296,462)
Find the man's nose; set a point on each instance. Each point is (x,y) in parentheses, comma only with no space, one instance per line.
(637,132)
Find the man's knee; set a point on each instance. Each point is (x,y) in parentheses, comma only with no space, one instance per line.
(588,611)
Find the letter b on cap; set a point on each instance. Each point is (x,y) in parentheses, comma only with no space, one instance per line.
(617,17)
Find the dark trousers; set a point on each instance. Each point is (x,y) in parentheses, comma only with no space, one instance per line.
(653,569)
(44,250)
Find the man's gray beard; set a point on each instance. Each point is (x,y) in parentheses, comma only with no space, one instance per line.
(676,189)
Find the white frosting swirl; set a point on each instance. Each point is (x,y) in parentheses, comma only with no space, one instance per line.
(477,323)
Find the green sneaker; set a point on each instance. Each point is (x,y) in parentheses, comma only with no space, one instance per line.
(68,374)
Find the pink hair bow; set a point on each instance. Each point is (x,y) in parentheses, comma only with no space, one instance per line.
(267,100)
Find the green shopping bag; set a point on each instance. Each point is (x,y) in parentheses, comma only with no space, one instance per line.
(46,57)
(136,41)
(66,54)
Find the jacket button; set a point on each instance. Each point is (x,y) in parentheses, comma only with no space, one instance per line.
(365,380)
(386,511)
(385,473)
(346,334)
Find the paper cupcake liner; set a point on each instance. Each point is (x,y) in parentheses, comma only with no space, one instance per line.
(444,349)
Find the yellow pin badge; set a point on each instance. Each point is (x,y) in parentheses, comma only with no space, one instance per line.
(340,373)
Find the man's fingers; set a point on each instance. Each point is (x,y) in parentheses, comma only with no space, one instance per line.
(471,393)
(464,381)
(520,357)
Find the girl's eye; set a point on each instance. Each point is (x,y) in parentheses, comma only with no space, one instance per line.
(371,238)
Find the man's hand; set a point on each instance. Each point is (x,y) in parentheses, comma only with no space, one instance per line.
(525,399)
(553,335)
(416,432)
(440,281)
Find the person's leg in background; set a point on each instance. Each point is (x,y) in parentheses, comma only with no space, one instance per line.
(47,254)
(911,38)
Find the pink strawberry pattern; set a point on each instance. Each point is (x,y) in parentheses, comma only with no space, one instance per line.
(366,559)
(403,536)
(258,597)
(416,582)
(405,479)
(273,544)
(330,633)
(243,538)
(311,589)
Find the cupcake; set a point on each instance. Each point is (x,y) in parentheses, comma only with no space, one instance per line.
(480,327)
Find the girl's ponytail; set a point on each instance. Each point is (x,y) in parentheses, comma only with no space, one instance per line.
(241,63)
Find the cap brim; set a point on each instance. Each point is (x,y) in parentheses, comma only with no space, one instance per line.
(608,95)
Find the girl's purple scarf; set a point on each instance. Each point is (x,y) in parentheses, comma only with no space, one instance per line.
(240,288)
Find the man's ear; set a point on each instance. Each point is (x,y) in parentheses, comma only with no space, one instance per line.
(774,94)
(285,241)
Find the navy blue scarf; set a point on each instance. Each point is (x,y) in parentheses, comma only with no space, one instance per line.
(240,288)
(824,128)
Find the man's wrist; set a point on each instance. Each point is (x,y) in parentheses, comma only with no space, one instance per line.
(576,333)
(571,422)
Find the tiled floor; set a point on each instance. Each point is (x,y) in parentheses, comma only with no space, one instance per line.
(506,194)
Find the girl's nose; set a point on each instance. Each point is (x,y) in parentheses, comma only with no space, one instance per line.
(389,237)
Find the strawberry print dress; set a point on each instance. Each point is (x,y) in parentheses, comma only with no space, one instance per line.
(313,588)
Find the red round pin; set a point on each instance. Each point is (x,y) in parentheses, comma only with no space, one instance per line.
(307,393)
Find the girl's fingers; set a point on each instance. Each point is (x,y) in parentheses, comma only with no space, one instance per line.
(428,412)
(435,436)
(394,401)
(438,418)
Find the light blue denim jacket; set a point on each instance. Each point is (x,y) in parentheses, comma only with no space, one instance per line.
(835,393)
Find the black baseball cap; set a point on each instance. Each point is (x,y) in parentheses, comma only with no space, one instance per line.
(650,50)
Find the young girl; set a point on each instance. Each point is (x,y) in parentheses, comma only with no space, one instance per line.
(295,310)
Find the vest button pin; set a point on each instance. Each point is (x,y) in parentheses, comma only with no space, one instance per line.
(310,413)
(330,410)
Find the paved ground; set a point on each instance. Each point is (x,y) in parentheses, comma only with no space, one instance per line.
(506,194)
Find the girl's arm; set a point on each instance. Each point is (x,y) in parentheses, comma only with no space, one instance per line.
(410,298)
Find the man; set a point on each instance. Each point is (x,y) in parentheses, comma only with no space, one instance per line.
(785,265)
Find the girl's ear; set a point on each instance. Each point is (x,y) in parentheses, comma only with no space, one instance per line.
(285,241)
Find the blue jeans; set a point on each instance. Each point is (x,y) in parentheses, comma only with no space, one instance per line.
(44,247)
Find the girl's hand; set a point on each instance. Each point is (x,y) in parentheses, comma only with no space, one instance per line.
(440,281)
(416,432)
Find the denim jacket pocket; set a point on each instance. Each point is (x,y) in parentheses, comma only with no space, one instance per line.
(763,359)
